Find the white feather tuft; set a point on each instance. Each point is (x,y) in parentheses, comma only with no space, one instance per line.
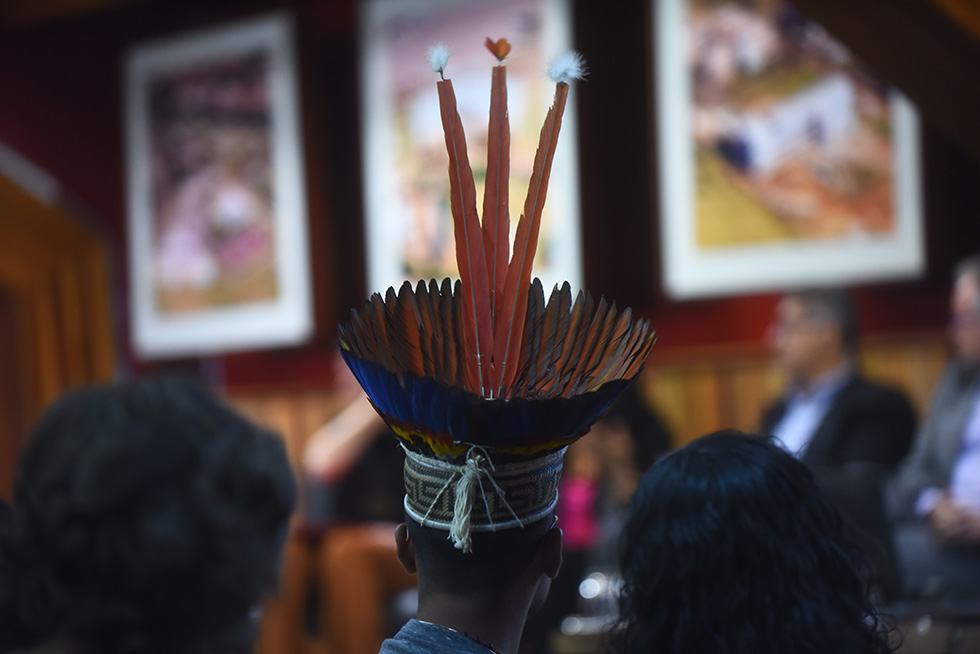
(565,67)
(438,57)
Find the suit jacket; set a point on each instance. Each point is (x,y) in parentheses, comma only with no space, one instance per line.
(865,422)
(939,441)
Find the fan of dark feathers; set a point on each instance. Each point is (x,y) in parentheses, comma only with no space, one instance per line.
(488,361)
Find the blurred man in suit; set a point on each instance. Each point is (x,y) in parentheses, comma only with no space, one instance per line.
(829,415)
(935,494)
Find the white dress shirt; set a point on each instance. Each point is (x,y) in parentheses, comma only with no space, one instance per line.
(805,410)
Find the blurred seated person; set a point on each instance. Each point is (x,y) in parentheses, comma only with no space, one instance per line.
(600,476)
(353,492)
(829,414)
(935,494)
(731,547)
(146,518)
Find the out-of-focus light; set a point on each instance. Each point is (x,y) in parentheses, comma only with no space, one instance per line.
(589,588)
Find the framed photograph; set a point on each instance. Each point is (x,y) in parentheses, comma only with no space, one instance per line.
(783,161)
(218,252)
(408,228)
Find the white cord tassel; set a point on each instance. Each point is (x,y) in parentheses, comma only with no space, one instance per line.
(467,482)
(465,492)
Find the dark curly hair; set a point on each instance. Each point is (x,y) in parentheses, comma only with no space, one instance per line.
(147,517)
(731,548)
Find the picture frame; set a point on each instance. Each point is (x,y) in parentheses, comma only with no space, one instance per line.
(217,243)
(783,162)
(408,225)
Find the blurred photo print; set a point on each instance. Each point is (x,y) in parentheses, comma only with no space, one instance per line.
(784,160)
(217,207)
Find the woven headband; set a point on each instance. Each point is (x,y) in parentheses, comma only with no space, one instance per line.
(478,496)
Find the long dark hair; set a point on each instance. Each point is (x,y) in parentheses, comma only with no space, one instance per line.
(731,548)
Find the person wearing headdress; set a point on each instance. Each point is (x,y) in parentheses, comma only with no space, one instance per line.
(485,384)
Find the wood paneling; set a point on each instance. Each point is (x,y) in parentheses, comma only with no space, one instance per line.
(695,390)
(294,414)
(12,418)
(965,12)
(700,390)
(55,324)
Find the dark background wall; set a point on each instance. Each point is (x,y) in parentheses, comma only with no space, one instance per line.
(61,106)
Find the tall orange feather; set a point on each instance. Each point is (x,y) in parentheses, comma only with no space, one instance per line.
(475,316)
(509,325)
(496,193)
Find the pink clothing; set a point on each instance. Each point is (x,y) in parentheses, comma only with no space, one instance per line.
(576,513)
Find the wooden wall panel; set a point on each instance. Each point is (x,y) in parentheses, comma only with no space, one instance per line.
(12,418)
(54,278)
(695,391)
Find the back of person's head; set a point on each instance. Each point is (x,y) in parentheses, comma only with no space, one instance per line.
(832,306)
(498,563)
(147,517)
(969,268)
(965,313)
(731,548)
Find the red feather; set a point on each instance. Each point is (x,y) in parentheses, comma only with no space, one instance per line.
(427,322)
(376,321)
(475,315)
(509,326)
(496,192)
(448,343)
(407,320)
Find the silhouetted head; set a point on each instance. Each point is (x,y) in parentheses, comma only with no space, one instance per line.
(731,548)
(814,331)
(501,564)
(964,324)
(147,517)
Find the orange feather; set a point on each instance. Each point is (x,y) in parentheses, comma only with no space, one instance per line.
(406,322)
(615,349)
(476,325)
(496,219)
(509,326)
(563,315)
(448,342)
(593,336)
(582,323)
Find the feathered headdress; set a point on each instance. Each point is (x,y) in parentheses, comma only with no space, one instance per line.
(484,381)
